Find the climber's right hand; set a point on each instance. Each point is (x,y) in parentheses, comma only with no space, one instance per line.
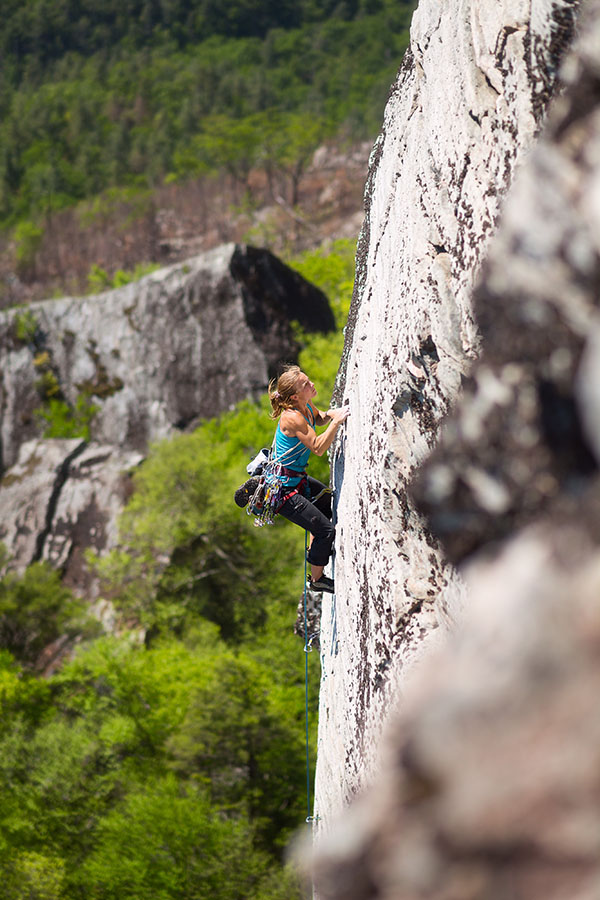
(338,415)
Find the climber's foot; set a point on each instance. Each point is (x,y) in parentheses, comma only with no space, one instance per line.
(322,585)
(243,493)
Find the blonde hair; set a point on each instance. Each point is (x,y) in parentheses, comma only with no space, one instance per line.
(282,389)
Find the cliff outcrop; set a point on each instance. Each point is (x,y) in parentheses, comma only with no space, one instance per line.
(184,343)
(152,357)
(483,288)
(468,103)
(488,783)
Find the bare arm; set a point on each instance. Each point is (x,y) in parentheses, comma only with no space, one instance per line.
(321,418)
(293,424)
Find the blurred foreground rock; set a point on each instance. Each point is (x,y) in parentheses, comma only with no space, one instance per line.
(490,783)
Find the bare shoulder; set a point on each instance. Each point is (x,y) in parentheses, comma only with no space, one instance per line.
(291,422)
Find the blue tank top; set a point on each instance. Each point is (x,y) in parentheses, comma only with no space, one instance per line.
(292,453)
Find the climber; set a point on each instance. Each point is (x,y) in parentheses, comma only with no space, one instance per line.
(308,502)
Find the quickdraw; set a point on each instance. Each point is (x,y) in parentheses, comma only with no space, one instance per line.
(272,492)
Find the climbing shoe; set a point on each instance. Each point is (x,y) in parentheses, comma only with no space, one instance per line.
(322,585)
(243,493)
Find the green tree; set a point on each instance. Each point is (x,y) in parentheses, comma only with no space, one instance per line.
(28,239)
(176,846)
(36,609)
(288,141)
(241,733)
(230,144)
(28,875)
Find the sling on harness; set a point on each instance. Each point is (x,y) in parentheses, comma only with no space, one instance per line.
(272,492)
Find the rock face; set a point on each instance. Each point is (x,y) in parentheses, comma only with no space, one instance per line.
(61,498)
(488,782)
(524,442)
(468,102)
(182,344)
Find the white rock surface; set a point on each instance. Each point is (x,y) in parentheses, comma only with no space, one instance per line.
(87,510)
(60,498)
(41,468)
(468,102)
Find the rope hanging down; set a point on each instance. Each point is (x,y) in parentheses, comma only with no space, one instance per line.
(307,649)
(306,652)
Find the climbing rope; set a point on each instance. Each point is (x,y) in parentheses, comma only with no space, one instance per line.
(307,649)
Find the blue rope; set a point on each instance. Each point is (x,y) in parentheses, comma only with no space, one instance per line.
(306,651)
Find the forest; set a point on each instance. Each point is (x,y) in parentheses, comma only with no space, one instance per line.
(166,759)
(137,93)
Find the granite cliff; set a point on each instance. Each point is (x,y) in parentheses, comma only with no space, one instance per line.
(459,656)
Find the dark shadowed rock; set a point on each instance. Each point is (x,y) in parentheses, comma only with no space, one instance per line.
(275,295)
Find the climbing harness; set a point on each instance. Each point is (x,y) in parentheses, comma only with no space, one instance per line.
(272,491)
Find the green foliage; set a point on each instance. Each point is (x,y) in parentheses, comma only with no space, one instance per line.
(331,268)
(177,846)
(240,732)
(194,91)
(27,875)
(28,239)
(101,207)
(99,279)
(35,609)
(21,695)
(63,420)
(25,326)
(281,142)
(188,754)
(47,386)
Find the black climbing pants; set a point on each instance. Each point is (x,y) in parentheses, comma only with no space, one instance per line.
(314,517)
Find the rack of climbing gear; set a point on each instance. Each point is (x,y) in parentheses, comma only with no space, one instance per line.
(272,490)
